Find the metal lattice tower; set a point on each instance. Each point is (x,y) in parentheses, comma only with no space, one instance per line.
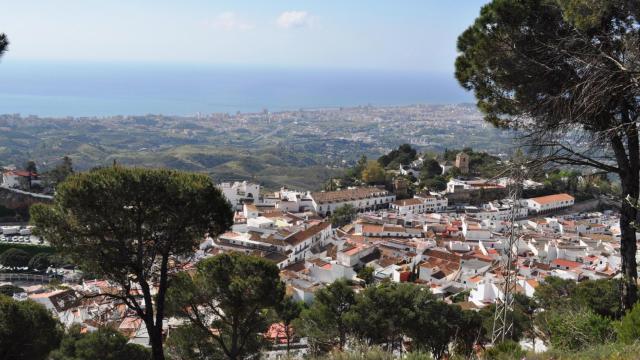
(503,319)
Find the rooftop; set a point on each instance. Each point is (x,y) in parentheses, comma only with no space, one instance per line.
(347,194)
(543,200)
(408,202)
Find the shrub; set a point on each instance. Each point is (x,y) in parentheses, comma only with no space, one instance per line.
(628,328)
(577,329)
(508,349)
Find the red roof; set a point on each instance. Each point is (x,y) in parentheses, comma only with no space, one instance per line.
(276,332)
(303,235)
(565,263)
(22,173)
(542,200)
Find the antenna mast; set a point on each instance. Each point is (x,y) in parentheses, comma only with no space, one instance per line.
(503,317)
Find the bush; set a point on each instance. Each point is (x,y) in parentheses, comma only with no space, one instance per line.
(31,249)
(27,330)
(611,351)
(14,258)
(360,352)
(9,290)
(104,343)
(40,261)
(576,329)
(628,328)
(505,350)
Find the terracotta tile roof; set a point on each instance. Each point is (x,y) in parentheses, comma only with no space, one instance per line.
(276,332)
(22,173)
(408,202)
(303,235)
(533,283)
(543,200)
(371,228)
(392,228)
(565,263)
(442,255)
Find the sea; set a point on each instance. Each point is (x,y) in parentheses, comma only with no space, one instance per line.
(60,89)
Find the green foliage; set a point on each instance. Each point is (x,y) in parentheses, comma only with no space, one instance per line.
(27,330)
(600,296)
(403,155)
(14,258)
(505,350)
(381,313)
(102,344)
(360,166)
(288,310)
(190,342)
(361,352)
(609,351)
(170,210)
(373,173)
(125,223)
(470,330)
(325,322)
(9,290)
(40,261)
(430,169)
(441,319)
(556,91)
(343,215)
(438,183)
(384,314)
(62,171)
(628,328)
(237,289)
(570,329)
(521,321)
(31,249)
(480,163)
(366,274)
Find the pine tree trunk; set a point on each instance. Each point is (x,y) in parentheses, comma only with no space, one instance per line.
(628,247)
(156,343)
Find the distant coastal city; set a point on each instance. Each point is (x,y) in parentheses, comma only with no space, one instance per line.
(300,148)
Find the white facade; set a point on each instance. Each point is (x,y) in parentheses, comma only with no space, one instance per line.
(362,199)
(475,232)
(420,205)
(15,178)
(497,211)
(238,192)
(10,180)
(550,203)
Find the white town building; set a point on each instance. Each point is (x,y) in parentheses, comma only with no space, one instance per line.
(362,199)
(239,192)
(548,203)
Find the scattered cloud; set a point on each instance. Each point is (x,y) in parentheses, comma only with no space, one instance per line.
(230,21)
(293,19)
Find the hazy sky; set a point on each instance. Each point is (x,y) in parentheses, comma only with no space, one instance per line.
(385,34)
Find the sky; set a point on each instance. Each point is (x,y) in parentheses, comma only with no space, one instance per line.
(413,35)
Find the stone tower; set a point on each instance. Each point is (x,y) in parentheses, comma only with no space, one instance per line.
(462,162)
